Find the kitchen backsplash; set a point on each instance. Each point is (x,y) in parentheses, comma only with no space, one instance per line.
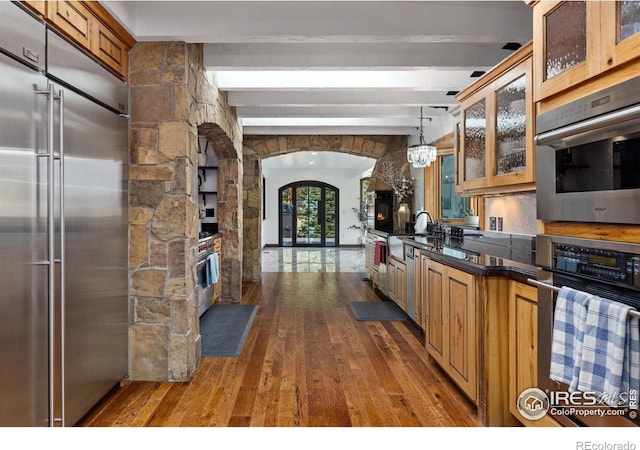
(518,212)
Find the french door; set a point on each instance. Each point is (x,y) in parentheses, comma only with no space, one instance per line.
(308,214)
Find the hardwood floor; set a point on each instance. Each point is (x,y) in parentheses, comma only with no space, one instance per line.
(306,362)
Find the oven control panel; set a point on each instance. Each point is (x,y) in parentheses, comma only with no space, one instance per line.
(606,265)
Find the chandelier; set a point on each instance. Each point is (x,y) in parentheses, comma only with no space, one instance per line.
(421,155)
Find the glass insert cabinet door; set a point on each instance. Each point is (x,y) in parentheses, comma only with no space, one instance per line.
(308,214)
(511,124)
(628,19)
(565,38)
(475,138)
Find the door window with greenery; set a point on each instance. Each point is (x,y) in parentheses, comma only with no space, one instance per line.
(308,214)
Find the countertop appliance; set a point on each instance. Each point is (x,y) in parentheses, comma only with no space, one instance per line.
(588,158)
(608,269)
(63,226)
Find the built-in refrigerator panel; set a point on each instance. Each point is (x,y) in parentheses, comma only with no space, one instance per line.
(24,343)
(95,233)
(23,36)
(95,253)
(66,64)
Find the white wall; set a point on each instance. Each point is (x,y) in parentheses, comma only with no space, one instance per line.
(347,182)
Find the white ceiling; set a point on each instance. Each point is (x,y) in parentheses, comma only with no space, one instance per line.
(320,160)
(338,67)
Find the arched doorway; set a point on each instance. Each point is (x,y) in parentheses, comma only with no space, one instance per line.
(308,215)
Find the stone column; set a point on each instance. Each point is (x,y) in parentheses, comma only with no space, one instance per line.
(252,216)
(171,97)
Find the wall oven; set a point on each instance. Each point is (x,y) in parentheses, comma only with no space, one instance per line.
(608,269)
(588,158)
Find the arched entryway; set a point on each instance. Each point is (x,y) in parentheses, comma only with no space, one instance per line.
(308,214)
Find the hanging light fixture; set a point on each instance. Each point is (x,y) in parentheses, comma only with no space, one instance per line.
(421,155)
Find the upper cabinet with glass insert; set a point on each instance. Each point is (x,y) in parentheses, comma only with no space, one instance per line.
(496,129)
(575,41)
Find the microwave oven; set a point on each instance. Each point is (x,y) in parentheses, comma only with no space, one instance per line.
(588,158)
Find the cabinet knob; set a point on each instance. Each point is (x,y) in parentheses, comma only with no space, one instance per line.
(610,61)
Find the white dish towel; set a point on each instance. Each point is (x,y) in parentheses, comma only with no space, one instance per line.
(604,348)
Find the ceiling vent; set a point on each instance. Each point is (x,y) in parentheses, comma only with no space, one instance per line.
(477,73)
(452,92)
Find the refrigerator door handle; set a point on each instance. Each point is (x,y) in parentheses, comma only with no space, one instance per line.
(61,300)
(51,252)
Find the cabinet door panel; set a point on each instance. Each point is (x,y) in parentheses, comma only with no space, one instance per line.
(435,313)
(523,347)
(109,49)
(461,319)
(73,19)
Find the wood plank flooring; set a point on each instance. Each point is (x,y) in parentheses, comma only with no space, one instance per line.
(306,362)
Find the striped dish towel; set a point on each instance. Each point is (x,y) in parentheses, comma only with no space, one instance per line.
(604,348)
(568,331)
(631,369)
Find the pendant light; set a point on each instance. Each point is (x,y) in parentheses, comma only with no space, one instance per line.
(421,155)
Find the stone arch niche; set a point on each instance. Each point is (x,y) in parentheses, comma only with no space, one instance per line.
(256,148)
(173,101)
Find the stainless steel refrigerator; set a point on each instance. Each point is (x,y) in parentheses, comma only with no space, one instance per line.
(63,226)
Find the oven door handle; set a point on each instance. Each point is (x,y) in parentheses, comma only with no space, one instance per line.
(596,124)
(543,285)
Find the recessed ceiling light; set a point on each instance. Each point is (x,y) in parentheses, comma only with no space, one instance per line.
(477,73)
(511,46)
(314,153)
(311,162)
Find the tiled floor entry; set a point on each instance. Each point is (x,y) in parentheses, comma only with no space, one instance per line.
(307,259)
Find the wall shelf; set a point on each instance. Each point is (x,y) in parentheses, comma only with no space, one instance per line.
(204,195)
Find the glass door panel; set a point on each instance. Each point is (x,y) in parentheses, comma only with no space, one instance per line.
(308,205)
(511,128)
(565,38)
(286,217)
(628,19)
(475,138)
(330,218)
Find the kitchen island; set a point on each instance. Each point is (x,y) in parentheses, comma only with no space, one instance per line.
(462,289)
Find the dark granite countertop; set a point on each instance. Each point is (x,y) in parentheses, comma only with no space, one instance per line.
(482,253)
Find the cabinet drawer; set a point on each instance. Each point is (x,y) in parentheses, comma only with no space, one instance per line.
(73,19)
(109,48)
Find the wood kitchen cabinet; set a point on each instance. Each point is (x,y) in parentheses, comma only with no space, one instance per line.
(451,323)
(73,19)
(575,41)
(91,27)
(109,48)
(397,276)
(497,123)
(523,347)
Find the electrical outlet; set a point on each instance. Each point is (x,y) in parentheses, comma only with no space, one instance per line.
(492,223)
(499,223)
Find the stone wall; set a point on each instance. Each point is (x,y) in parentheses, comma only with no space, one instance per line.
(171,96)
(382,148)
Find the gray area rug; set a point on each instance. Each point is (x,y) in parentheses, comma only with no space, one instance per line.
(382,311)
(224,328)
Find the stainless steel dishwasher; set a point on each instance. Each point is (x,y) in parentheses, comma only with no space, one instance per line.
(408,249)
